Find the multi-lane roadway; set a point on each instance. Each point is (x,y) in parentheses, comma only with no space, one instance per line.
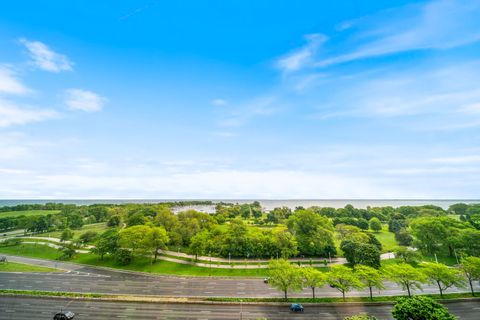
(78,278)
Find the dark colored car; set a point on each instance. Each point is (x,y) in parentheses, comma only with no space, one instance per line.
(64,315)
(266,280)
(296,307)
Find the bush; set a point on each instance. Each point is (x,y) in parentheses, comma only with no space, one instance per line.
(403,237)
(123,257)
(88,236)
(375,224)
(420,308)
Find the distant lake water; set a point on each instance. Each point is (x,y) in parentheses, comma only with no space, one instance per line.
(266,204)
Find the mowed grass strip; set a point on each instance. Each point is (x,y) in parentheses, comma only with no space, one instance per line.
(96,227)
(27,213)
(20,267)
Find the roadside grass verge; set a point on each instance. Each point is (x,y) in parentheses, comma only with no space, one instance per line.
(363,300)
(21,267)
(347,299)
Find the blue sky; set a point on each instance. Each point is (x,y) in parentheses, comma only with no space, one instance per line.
(240,99)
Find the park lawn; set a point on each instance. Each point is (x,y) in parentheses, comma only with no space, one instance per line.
(138,264)
(97,227)
(386,238)
(21,267)
(27,213)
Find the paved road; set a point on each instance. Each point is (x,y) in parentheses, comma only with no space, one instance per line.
(13,308)
(93,280)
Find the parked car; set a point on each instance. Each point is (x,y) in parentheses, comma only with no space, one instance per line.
(296,307)
(64,315)
(266,280)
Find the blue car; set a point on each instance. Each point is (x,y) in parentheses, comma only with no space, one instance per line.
(296,307)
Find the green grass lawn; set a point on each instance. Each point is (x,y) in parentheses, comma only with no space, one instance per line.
(97,227)
(387,239)
(20,267)
(27,213)
(139,264)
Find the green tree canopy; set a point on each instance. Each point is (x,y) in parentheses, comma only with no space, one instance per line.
(371,278)
(420,308)
(470,267)
(406,276)
(443,276)
(313,278)
(284,276)
(343,279)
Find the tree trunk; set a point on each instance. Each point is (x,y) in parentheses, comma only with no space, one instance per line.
(313,292)
(156,254)
(285,292)
(371,296)
(343,295)
(471,287)
(440,288)
(408,289)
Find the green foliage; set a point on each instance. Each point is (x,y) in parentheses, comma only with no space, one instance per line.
(123,256)
(314,233)
(406,276)
(68,250)
(10,242)
(67,234)
(403,237)
(470,267)
(88,237)
(361,253)
(458,208)
(312,278)
(370,277)
(107,243)
(114,221)
(284,276)
(343,279)
(443,276)
(420,308)
(407,255)
(375,224)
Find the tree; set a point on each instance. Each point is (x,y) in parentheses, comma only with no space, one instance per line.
(68,250)
(123,256)
(114,221)
(107,243)
(155,240)
(200,243)
(284,276)
(361,253)
(67,234)
(136,219)
(313,278)
(420,308)
(458,208)
(371,278)
(88,236)
(314,233)
(443,276)
(375,224)
(407,255)
(343,279)
(403,237)
(406,276)
(470,266)
(134,238)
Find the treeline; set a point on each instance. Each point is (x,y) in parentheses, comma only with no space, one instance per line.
(288,277)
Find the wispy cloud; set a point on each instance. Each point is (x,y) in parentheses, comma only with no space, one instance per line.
(240,114)
(435,25)
(45,58)
(84,100)
(219,102)
(303,56)
(9,84)
(11,114)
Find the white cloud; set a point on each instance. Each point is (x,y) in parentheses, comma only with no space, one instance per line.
(9,84)
(46,59)
(84,100)
(435,25)
(11,114)
(219,102)
(299,58)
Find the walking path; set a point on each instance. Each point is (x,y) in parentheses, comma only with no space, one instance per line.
(205,261)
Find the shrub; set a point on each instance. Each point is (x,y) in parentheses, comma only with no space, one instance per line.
(420,308)
(123,257)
